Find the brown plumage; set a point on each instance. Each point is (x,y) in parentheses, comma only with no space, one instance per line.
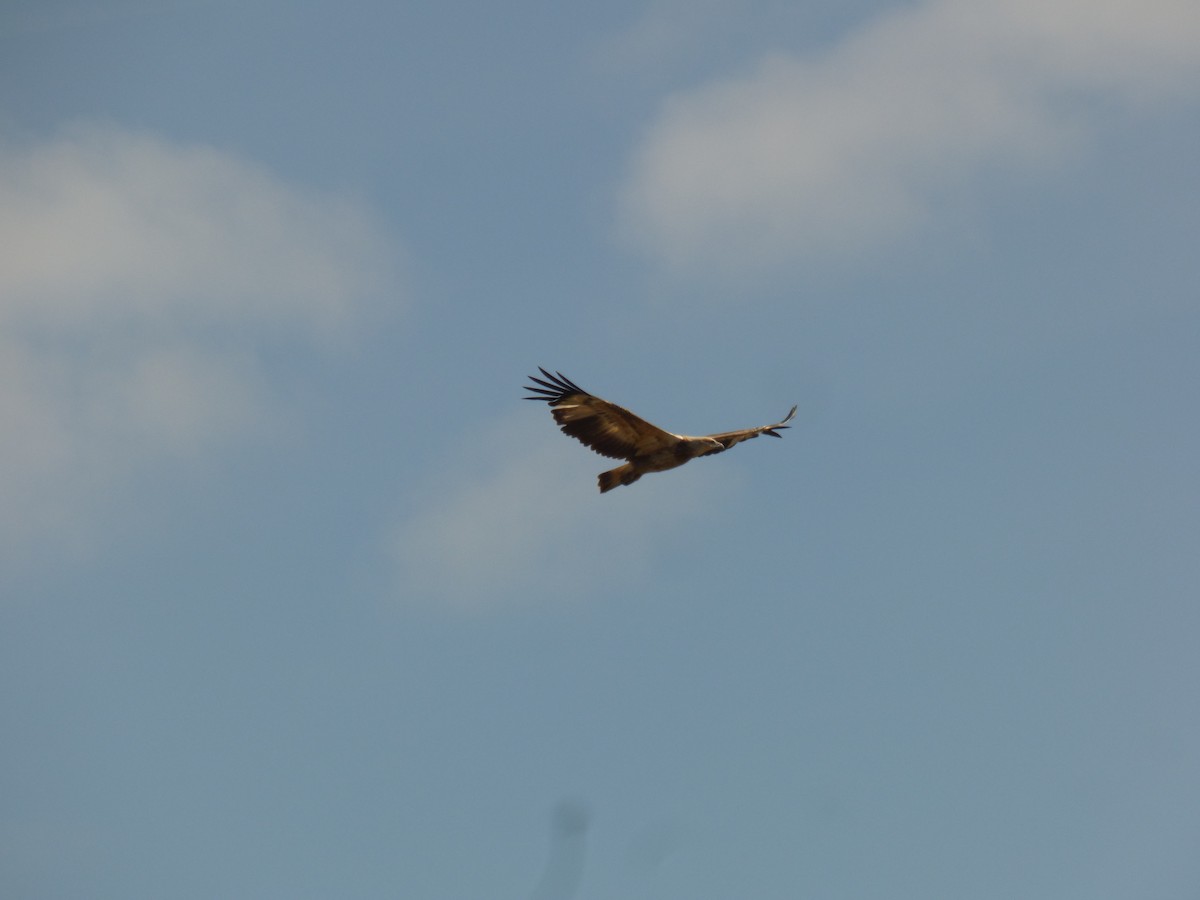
(615,432)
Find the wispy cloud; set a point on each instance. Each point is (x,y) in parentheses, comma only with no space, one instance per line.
(139,280)
(517,515)
(838,152)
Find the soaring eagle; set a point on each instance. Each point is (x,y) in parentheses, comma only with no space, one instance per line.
(615,432)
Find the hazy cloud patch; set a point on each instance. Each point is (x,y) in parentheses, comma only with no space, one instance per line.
(516,516)
(139,280)
(843,151)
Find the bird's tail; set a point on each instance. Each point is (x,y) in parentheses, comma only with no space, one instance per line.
(620,475)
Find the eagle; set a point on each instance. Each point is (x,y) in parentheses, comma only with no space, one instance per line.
(615,432)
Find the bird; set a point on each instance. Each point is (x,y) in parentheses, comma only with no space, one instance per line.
(615,432)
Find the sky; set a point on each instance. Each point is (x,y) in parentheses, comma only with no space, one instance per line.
(300,599)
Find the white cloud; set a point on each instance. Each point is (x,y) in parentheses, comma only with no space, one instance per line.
(138,280)
(836,152)
(103,225)
(512,518)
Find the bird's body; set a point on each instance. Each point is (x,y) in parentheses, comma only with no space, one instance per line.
(615,432)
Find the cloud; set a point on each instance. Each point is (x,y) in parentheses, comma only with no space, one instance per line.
(512,518)
(843,151)
(139,283)
(105,226)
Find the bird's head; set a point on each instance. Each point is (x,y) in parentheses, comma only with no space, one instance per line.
(706,445)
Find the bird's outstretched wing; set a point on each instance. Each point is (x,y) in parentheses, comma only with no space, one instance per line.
(729,438)
(608,429)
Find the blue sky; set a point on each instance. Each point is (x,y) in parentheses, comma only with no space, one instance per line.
(300,599)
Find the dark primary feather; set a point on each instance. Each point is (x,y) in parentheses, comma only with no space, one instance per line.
(557,388)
